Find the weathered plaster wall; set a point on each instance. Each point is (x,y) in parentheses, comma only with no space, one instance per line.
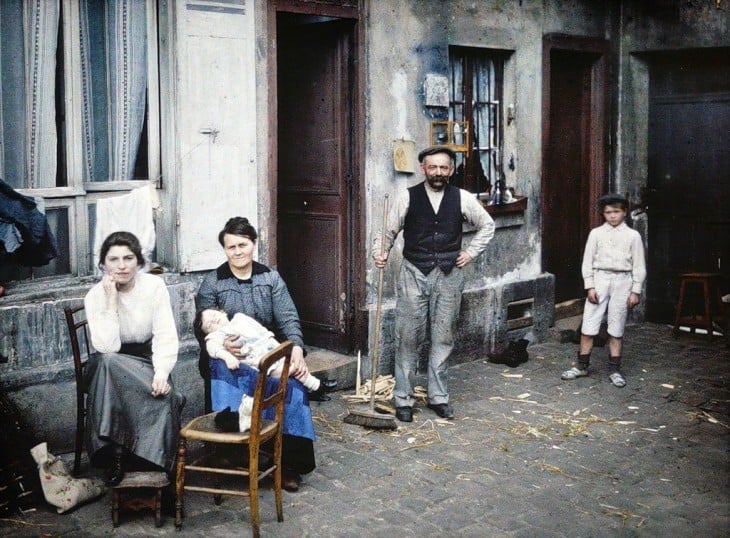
(408,39)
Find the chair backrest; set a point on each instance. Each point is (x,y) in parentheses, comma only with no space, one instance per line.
(262,402)
(76,323)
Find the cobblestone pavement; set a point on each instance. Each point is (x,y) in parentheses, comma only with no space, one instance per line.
(527,455)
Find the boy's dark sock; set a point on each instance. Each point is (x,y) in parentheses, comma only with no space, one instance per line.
(614,364)
(584,361)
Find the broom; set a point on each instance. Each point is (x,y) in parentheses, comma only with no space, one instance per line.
(368,417)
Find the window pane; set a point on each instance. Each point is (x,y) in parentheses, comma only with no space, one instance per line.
(10,269)
(113,37)
(476,76)
(28,39)
(61,264)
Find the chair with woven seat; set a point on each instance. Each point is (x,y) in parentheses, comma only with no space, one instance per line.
(204,429)
(80,356)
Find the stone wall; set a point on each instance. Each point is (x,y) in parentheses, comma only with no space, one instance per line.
(36,368)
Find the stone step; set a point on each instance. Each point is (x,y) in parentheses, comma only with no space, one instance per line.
(328,364)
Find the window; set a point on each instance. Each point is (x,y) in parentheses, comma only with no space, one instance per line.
(476,88)
(79,112)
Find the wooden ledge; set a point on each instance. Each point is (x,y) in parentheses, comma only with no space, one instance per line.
(518,206)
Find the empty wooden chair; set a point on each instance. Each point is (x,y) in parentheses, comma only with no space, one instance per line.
(204,429)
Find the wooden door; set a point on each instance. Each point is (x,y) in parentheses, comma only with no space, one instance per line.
(315,140)
(574,156)
(689,173)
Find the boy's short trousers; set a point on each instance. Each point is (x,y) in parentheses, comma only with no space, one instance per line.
(613,288)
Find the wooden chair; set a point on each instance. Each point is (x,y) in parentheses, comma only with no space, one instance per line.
(205,430)
(138,490)
(76,326)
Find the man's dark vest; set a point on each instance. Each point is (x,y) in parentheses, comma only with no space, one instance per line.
(432,239)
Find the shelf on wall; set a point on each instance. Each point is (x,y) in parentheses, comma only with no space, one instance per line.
(518,206)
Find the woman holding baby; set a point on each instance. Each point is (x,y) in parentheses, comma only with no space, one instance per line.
(241,285)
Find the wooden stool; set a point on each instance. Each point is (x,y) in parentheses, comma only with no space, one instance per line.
(141,490)
(712,301)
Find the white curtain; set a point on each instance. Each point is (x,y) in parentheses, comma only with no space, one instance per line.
(114,83)
(40,45)
(28,42)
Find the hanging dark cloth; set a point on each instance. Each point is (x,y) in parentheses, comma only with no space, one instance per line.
(37,243)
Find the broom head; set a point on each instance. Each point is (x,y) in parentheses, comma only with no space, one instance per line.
(368,418)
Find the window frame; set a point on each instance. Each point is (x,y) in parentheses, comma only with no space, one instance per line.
(469,57)
(79,195)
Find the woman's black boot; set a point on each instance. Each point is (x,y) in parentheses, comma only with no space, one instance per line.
(115,474)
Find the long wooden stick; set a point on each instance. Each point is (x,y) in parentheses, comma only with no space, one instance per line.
(378,308)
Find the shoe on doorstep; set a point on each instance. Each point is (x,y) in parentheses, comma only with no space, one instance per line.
(404,413)
(574,373)
(617,379)
(319,395)
(443,410)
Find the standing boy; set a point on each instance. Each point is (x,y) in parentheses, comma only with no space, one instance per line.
(613,274)
(430,281)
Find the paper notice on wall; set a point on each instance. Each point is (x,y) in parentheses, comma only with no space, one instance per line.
(404,156)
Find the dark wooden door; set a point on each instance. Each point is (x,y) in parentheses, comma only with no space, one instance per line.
(573,158)
(314,245)
(689,173)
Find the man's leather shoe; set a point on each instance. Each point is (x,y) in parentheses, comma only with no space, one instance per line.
(404,413)
(443,410)
(290,481)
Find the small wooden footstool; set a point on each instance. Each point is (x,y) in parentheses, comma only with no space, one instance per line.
(139,490)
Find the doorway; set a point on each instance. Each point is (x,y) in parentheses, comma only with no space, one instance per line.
(688,173)
(316,193)
(574,155)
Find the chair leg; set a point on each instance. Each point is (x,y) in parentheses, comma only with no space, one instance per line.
(277,493)
(115,507)
(80,417)
(708,310)
(253,492)
(680,306)
(180,483)
(158,508)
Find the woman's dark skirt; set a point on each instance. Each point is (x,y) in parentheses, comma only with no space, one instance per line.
(120,409)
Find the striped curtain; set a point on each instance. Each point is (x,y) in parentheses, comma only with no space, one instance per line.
(114,84)
(28,41)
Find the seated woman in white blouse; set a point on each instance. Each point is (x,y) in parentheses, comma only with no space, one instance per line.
(133,412)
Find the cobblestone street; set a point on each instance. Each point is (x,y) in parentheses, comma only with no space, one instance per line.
(527,455)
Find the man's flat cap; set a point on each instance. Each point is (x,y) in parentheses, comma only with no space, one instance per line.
(433,150)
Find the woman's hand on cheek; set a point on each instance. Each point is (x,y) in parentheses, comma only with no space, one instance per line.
(110,286)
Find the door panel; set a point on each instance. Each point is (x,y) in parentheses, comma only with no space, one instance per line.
(689,174)
(314,163)
(574,156)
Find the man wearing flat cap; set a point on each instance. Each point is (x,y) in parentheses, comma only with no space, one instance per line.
(430,281)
